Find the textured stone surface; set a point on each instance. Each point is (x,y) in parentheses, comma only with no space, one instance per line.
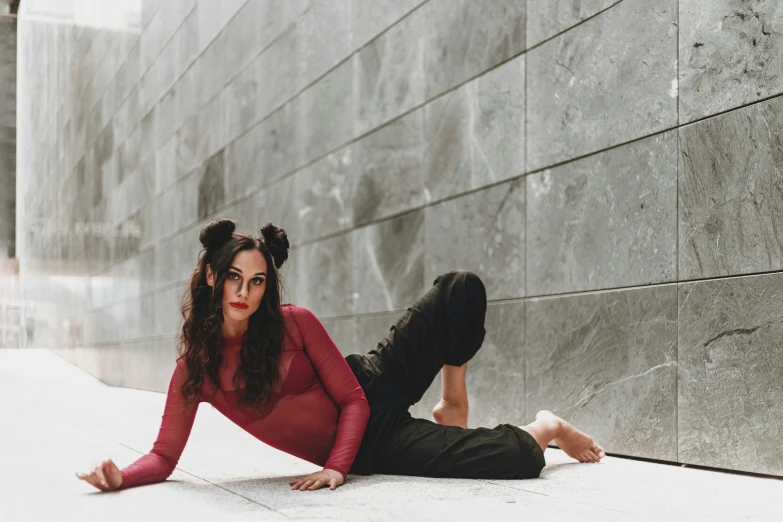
(608,363)
(731,53)
(475,135)
(589,89)
(326,194)
(389,172)
(483,232)
(371,17)
(388,264)
(546,18)
(390,74)
(731,193)
(326,35)
(604,221)
(729,373)
(465,38)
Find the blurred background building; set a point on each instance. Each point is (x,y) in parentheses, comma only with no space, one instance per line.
(613,170)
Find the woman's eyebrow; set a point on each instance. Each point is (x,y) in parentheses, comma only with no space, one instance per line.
(240,271)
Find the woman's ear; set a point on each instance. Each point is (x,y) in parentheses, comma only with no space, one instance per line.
(210,276)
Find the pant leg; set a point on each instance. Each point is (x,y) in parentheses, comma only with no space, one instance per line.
(444,326)
(423,448)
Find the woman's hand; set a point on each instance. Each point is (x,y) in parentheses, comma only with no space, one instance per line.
(315,480)
(104,476)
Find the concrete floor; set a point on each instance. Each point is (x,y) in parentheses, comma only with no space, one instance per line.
(55,419)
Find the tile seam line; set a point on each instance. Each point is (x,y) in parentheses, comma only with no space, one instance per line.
(141,73)
(320,158)
(399,214)
(169,88)
(523,299)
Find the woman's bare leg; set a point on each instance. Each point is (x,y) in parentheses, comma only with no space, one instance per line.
(549,427)
(452,410)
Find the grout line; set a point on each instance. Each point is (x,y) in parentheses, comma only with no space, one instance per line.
(677,259)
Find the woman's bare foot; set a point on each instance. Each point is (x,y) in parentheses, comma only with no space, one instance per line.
(576,444)
(451,414)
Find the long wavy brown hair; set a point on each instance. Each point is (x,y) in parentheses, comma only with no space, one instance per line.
(202,337)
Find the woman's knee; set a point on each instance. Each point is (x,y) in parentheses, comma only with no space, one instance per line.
(474,286)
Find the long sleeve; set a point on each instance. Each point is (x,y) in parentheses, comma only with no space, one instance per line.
(341,384)
(175,428)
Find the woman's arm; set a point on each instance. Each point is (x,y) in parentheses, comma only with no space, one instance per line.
(341,384)
(174,431)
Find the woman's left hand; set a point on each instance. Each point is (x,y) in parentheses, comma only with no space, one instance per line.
(315,480)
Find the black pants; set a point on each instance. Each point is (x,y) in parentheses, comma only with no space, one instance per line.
(445,326)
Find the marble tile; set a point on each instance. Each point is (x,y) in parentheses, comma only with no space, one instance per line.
(588,89)
(729,373)
(604,221)
(389,170)
(483,232)
(465,38)
(211,186)
(244,172)
(342,332)
(390,74)
(495,378)
(546,18)
(607,363)
(476,134)
(371,17)
(388,263)
(325,195)
(279,208)
(278,71)
(327,113)
(280,141)
(324,274)
(730,193)
(241,108)
(326,35)
(730,55)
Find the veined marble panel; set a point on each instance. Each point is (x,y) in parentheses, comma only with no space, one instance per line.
(609,80)
(389,171)
(476,134)
(604,221)
(390,74)
(388,263)
(730,363)
(324,274)
(607,363)
(325,195)
(327,37)
(731,54)
(327,112)
(371,17)
(465,38)
(546,18)
(731,199)
(483,232)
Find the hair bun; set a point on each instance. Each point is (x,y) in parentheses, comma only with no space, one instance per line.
(277,241)
(216,233)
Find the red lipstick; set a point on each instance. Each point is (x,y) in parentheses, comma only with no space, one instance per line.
(241,306)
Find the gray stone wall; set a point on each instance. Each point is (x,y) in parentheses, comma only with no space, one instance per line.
(611,169)
(7,137)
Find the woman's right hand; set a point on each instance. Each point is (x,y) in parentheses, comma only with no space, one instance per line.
(105,476)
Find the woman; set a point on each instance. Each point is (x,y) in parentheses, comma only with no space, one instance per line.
(273,370)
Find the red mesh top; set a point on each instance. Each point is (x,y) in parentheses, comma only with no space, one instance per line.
(319,413)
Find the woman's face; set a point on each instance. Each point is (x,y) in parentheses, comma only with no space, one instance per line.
(245,284)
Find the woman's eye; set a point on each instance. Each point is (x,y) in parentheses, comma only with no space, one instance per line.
(232,274)
(259,281)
